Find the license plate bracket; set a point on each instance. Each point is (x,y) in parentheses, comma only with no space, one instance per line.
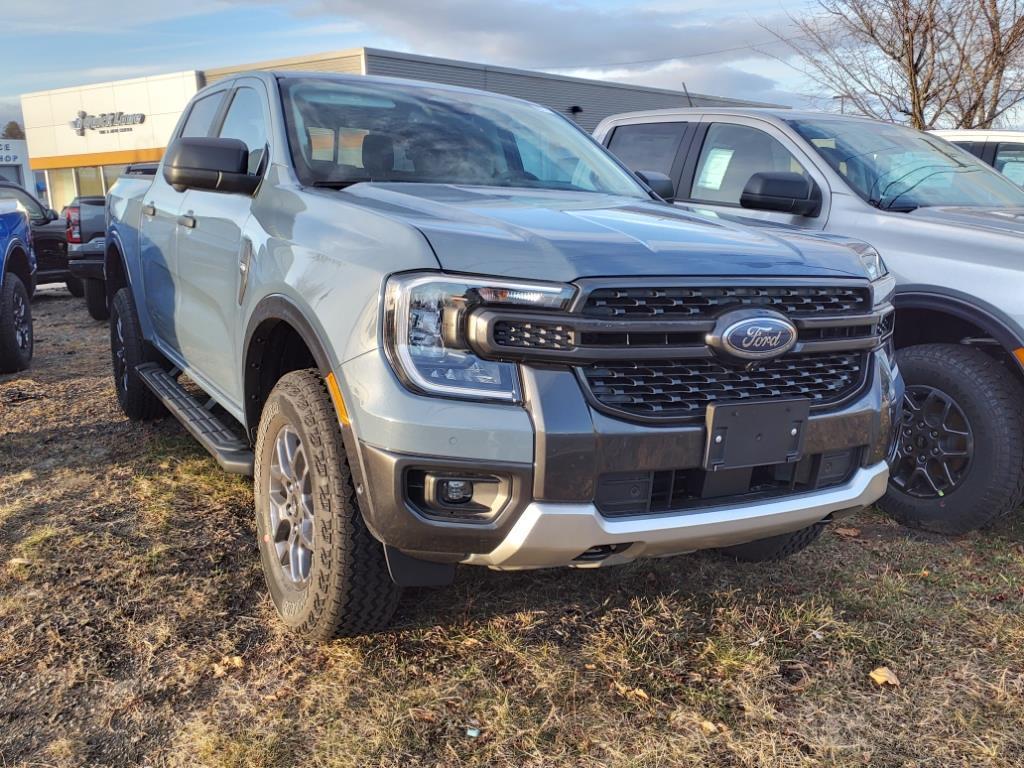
(743,435)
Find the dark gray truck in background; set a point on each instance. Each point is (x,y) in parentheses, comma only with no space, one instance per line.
(441,326)
(85,224)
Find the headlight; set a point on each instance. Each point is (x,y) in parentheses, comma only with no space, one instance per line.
(872,261)
(883,285)
(424,327)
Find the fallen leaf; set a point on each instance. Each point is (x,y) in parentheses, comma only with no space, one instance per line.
(708,727)
(423,715)
(885,676)
(590,667)
(470,642)
(19,561)
(848,533)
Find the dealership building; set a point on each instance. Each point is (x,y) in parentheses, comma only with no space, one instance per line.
(81,138)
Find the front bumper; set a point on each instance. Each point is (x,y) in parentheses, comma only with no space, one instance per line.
(547,534)
(555,452)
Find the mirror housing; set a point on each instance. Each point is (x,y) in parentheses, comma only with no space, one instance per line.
(659,183)
(51,215)
(219,165)
(782,191)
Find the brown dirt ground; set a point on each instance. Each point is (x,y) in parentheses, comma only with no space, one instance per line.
(135,629)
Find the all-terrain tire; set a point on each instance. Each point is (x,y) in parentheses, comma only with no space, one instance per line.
(992,401)
(127,350)
(74,286)
(96,299)
(16,336)
(348,589)
(775,547)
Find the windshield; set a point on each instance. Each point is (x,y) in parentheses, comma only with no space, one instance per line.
(343,132)
(897,168)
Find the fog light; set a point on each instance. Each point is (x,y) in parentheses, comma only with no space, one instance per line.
(455,491)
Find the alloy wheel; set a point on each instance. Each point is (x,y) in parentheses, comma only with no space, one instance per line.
(933,451)
(291,507)
(120,362)
(22,325)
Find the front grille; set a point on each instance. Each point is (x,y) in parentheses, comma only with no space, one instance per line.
(684,388)
(708,301)
(626,494)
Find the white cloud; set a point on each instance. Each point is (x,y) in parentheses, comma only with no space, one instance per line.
(99,16)
(657,43)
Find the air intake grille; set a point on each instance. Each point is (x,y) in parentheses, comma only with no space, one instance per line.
(532,335)
(695,302)
(684,388)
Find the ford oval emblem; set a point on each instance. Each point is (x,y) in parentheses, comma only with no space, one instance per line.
(756,337)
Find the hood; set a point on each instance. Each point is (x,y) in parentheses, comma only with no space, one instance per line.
(556,235)
(1008,221)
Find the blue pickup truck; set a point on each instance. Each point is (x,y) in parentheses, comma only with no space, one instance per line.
(442,326)
(17,270)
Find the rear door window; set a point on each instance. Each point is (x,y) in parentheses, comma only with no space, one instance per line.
(730,156)
(1010,161)
(648,146)
(976,148)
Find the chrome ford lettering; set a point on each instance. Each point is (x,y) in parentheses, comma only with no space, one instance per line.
(753,336)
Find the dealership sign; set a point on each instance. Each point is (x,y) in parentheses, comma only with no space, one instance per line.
(108,122)
(9,154)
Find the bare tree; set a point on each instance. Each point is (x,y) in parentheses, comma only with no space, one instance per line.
(932,63)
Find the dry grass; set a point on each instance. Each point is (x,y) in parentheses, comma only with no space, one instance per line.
(129,579)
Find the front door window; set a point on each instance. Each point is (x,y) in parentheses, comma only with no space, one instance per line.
(730,156)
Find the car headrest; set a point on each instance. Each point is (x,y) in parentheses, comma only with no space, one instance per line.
(378,154)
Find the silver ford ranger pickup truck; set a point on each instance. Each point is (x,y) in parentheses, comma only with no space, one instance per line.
(442,326)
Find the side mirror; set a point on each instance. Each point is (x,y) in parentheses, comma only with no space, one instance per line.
(782,191)
(659,183)
(219,165)
(50,215)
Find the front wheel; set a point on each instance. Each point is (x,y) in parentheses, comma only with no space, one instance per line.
(326,573)
(16,336)
(958,459)
(96,299)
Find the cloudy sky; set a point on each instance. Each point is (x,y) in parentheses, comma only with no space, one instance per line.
(715,47)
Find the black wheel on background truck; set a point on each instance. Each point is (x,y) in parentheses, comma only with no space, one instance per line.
(16,338)
(775,547)
(326,573)
(96,299)
(958,460)
(74,286)
(127,350)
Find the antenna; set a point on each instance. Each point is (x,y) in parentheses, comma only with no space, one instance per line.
(686,90)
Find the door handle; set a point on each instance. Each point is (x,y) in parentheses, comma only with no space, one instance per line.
(149,209)
(187,221)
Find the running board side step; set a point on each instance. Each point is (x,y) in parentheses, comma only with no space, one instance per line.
(231,453)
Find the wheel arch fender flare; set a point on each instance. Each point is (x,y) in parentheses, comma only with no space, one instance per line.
(14,246)
(276,308)
(994,321)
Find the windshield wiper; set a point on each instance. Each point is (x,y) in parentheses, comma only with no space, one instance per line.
(341,183)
